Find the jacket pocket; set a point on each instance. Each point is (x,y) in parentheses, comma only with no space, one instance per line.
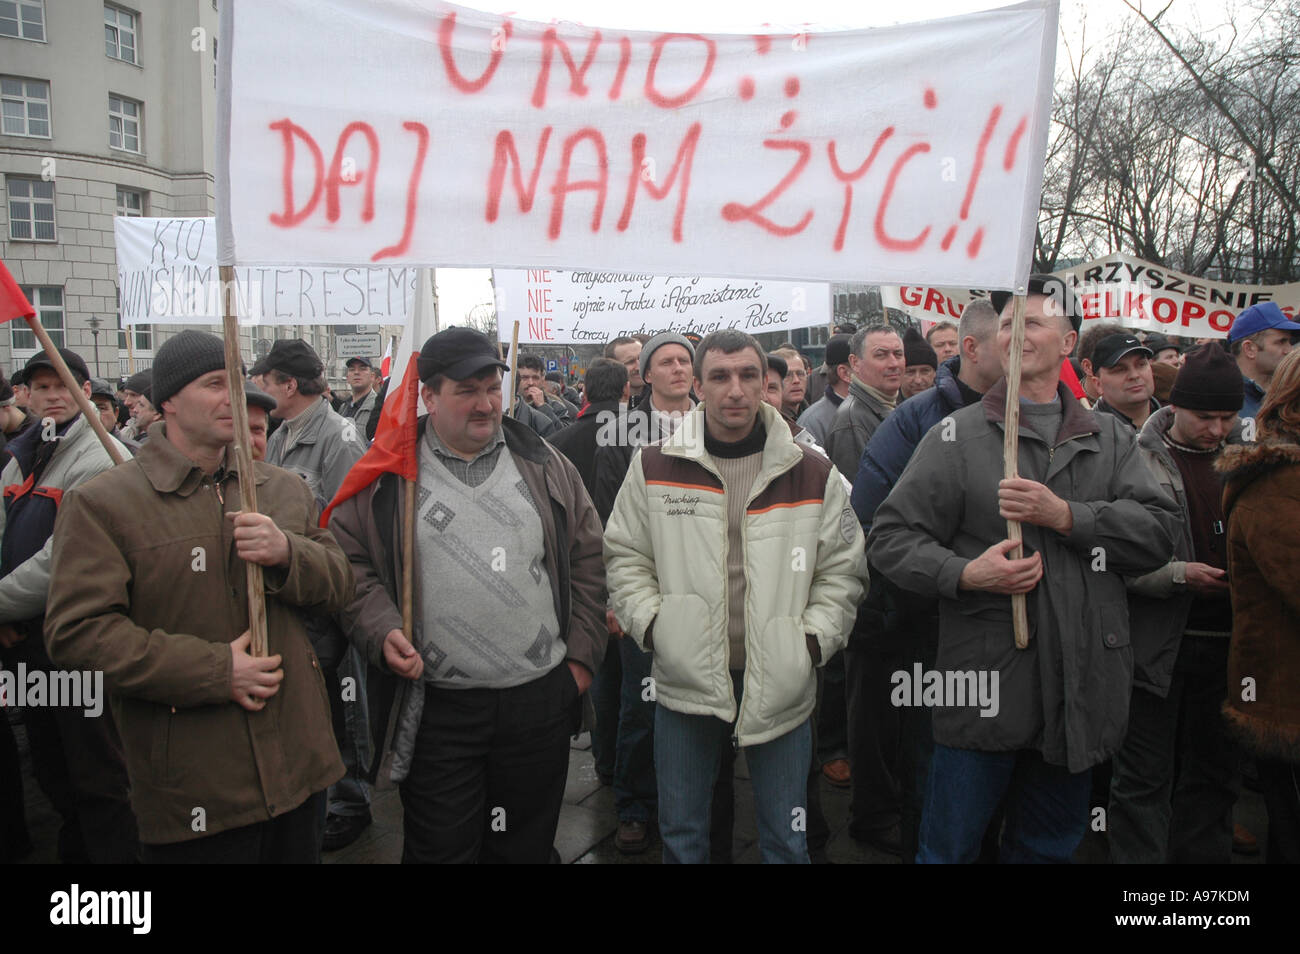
(683,640)
(786,674)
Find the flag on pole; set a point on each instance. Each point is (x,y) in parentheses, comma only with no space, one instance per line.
(13,303)
(393,450)
(385,366)
(421,323)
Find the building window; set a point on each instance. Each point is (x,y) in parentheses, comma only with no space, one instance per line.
(26,106)
(24,19)
(142,335)
(124,123)
(48,302)
(119,34)
(31,209)
(130,202)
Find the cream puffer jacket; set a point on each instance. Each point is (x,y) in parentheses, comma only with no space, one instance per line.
(805,573)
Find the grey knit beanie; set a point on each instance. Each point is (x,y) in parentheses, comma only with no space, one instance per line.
(181,359)
(658,341)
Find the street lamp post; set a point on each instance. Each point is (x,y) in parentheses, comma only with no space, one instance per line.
(95,322)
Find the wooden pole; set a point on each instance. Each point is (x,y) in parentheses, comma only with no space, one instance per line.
(69,382)
(243,454)
(130,351)
(514,366)
(408,561)
(1010,459)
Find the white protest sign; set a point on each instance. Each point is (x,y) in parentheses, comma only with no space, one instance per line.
(418,132)
(555,305)
(167,274)
(357,346)
(1124,289)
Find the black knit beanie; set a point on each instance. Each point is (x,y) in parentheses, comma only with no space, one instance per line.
(181,359)
(141,383)
(917,350)
(1209,380)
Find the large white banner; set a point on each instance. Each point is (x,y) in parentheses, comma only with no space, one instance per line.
(415,131)
(1125,289)
(561,306)
(167,274)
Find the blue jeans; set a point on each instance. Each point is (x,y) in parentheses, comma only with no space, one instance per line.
(634,764)
(1046,807)
(688,749)
(350,795)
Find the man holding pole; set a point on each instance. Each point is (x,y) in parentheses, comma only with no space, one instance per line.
(1024,725)
(228,754)
(77,756)
(507,605)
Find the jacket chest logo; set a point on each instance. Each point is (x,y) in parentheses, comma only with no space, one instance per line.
(681,506)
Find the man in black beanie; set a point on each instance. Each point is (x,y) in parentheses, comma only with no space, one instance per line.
(922,364)
(228,754)
(1176,777)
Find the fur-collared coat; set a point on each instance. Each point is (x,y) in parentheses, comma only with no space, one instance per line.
(1261,500)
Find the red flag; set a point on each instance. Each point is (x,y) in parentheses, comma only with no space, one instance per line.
(394,447)
(13,303)
(386,366)
(1071,379)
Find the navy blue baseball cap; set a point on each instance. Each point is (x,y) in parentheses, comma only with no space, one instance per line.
(1259,318)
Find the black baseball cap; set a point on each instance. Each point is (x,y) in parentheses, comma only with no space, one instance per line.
(73,360)
(291,356)
(457,353)
(256,397)
(101,388)
(351,361)
(1158,342)
(1052,287)
(1111,350)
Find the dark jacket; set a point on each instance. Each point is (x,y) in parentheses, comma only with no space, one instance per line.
(544,425)
(1261,500)
(891,616)
(1254,397)
(628,432)
(1159,601)
(578,441)
(157,596)
(893,442)
(368,527)
(856,419)
(1067,694)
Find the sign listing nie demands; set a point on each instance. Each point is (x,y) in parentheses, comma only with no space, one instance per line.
(167,274)
(418,132)
(555,305)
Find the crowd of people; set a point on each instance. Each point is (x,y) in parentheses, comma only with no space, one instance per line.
(703,549)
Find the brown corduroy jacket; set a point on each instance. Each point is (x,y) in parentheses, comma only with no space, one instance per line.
(146,587)
(1261,500)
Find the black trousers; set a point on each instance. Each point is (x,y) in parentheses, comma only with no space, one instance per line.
(875,733)
(1281,784)
(487,775)
(289,839)
(80,766)
(14,842)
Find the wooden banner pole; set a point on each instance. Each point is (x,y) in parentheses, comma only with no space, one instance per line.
(408,562)
(1010,458)
(243,447)
(69,382)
